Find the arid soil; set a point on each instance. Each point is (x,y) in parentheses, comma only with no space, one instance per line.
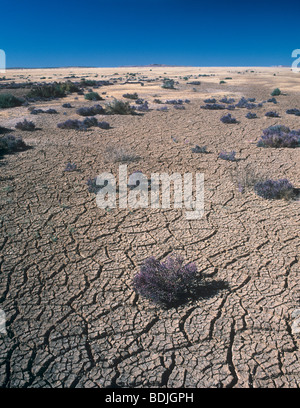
(73,318)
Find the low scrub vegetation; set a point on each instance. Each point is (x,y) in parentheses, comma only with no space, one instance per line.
(164,282)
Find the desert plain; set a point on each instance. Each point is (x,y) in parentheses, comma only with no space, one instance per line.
(72,316)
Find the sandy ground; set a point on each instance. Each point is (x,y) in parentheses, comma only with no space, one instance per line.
(73,319)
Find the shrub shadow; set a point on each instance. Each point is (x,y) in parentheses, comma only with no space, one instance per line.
(199,290)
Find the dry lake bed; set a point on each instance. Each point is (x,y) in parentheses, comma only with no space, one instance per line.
(70,315)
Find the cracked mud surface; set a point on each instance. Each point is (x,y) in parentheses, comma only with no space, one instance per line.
(73,319)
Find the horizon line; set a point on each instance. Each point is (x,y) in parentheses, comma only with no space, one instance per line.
(153,66)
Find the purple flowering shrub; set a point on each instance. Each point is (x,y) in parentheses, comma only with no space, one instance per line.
(70,167)
(230,107)
(164,282)
(228,119)
(144,107)
(103,125)
(247,103)
(251,115)
(226,100)
(279,136)
(174,101)
(25,125)
(51,111)
(294,111)
(272,114)
(227,156)
(199,149)
(90,110)
(90,122)
(71,124)
(213,106)
(11,143)
(274,189)
(37,111)
(83,125)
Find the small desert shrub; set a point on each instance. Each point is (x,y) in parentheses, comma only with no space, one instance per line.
(103,125)
(227,156)
(274,189)
(88,82)
(174,102)
(251,105)
(226,100)
(9,101)
(213,106)
(194,83)
(272,100)
(83,125)
(164,283)
(48,111)
(51,111)
(276,92)
(246,177)
(228,119)
(293,112)
(272,114)
(279,136)
(117,107)
(10,143)
(222,82)
(67,105)
(121,155)
(36,111)
(131,96)
(198,149)
(47,91)
(71,124)
(247,103)
(210,100)
(70,167)
(251,115)
(157,101)
(143,107)
(93,96)
(182,107)
(25,125)
(90,110)
(90,122)
(168,83)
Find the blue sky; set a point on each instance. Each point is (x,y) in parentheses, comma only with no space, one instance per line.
(130,32)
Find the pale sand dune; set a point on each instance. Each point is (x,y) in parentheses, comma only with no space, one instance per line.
(67,266)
